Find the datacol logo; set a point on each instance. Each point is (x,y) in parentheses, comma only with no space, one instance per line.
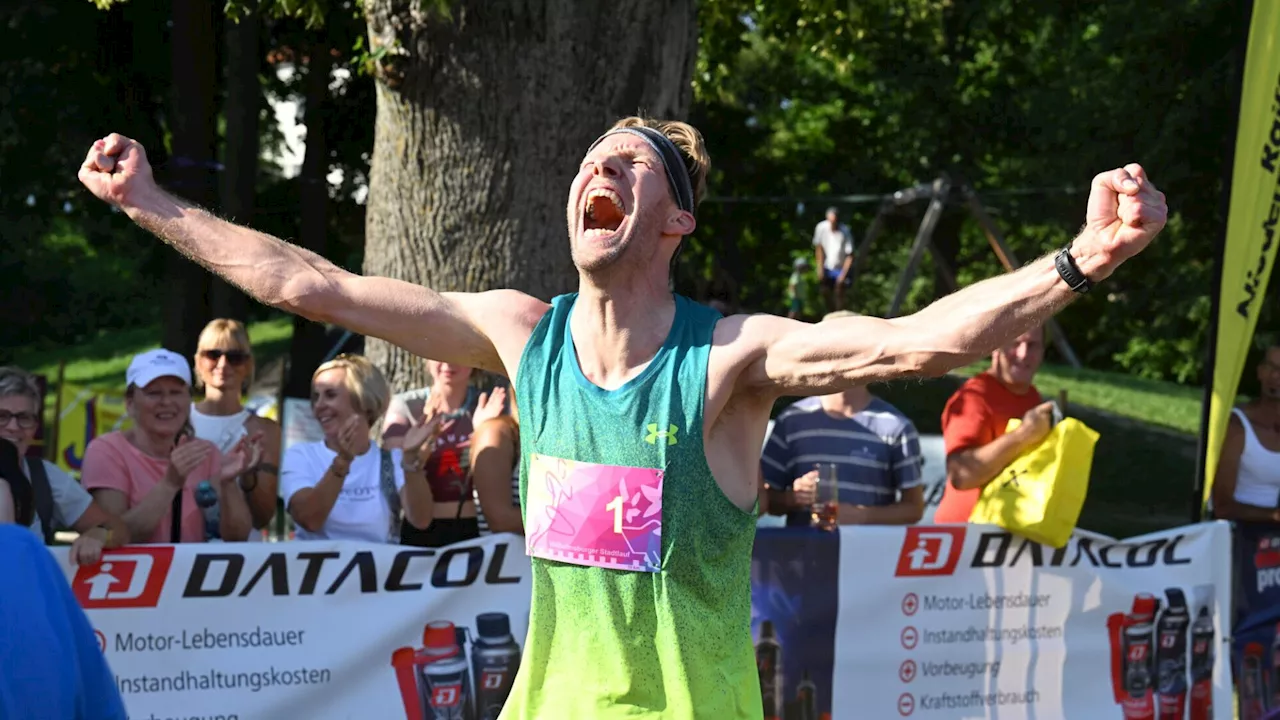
(124,578)
(930,551)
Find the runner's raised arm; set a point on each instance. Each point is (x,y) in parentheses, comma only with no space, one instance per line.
(779,356)
(452,327)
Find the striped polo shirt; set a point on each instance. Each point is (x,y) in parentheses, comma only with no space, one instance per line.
(876,452)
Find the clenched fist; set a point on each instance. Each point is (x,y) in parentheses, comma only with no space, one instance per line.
(1125,213)
(116,170)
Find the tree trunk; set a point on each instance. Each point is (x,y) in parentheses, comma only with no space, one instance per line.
(307,346)
(191,167)
(239,177)
(483,117)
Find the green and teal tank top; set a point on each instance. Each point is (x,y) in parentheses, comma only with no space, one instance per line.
(641,566)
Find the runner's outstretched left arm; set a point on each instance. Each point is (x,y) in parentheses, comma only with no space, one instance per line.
(777,356)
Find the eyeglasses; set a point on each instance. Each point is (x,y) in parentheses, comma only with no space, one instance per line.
(234,357)
(26,420)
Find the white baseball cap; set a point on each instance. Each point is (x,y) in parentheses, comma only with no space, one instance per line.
(146,367)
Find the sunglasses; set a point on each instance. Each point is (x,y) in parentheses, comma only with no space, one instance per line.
(234,357)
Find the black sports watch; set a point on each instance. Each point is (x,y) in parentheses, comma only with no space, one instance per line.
(1070,272)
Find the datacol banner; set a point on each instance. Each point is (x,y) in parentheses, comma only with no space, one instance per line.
(971,622)
(937,622)
(1252,223)
(310,629)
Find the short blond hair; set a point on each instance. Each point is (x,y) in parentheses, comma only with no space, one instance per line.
(220,331)
(370,393)
(836,315)
(688,141)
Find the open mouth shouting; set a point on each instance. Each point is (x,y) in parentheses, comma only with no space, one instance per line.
(604,213)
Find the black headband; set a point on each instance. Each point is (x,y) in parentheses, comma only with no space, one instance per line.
(681,186)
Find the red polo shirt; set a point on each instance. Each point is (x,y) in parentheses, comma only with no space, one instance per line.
(977,414)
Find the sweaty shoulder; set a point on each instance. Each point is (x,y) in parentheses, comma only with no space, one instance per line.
(739,339)
(507,318)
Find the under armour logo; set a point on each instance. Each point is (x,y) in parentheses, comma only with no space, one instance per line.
(654,434)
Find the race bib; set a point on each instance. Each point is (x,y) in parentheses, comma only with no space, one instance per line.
(600,515)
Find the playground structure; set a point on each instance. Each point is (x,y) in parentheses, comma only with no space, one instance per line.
(939,194)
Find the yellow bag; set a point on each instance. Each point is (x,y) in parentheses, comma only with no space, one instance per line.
(1040,495)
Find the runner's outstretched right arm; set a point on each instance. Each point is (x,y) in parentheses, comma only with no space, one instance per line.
(453,327)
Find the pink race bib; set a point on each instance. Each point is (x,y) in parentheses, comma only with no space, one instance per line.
(601,515)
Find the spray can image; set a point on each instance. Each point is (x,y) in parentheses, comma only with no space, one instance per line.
(402,660)
(443,677)
(1253,686)
(1132,657)
(495,658)
(1171,656)
(769,663)
(806,698)
(1202,655)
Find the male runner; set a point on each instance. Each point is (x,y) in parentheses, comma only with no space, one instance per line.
(642,413)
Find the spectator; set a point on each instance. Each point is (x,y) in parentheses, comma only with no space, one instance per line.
(797,288)
(51,667)
(345,487)
(833,247)
(495,470)
(975,418)
(448,466)
(59,501)
(143,474)
(1247,485)
(875,448)
(224,370)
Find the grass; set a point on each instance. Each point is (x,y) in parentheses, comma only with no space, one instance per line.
(1163,404)
(101,362)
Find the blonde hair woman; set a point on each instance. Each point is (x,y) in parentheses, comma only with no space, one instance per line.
(224,371)
(345,487)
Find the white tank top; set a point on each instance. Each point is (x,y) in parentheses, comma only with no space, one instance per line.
(221,430)
(224,431)
(1258,479)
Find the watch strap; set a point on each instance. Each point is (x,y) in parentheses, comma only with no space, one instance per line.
(1070,272)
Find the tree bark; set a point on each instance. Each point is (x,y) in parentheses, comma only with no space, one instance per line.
(239,177)
(307,346)
(191,167)
(482,119)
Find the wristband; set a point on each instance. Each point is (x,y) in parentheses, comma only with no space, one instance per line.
(1070,272)
(107,540)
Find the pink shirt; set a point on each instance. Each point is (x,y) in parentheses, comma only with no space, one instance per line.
(112,462)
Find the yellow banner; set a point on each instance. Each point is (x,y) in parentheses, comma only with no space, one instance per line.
(86,414)
(1251,223)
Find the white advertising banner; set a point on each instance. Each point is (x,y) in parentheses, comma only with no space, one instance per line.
(929,621)
(308,629)
(971,622)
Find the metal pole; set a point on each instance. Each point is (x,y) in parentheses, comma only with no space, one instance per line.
(931,217)
(1010,262)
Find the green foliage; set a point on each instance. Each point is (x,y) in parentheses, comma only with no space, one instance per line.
(817,99)
(100,361)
